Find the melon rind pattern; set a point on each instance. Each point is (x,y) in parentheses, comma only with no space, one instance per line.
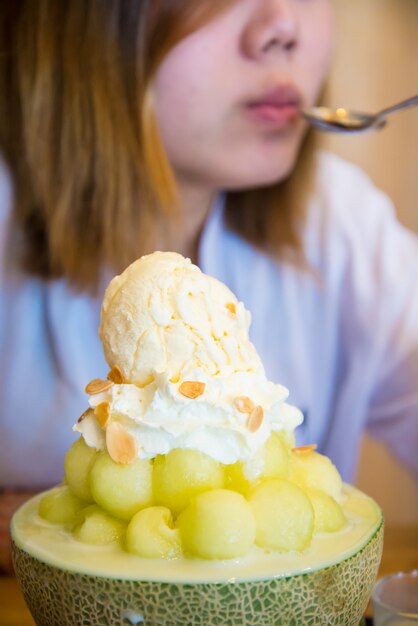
(336,595)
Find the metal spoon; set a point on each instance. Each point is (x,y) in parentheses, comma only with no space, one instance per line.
(345,121)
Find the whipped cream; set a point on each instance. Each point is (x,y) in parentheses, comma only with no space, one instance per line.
(161,419)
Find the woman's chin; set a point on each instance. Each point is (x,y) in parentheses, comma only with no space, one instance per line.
(260,177)
(268,168)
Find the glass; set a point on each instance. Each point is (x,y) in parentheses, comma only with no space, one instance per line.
(395,600)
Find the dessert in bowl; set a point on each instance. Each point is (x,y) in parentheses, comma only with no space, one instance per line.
(185,499)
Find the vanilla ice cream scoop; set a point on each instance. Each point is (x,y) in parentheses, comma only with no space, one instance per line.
(163,315)
(188,375)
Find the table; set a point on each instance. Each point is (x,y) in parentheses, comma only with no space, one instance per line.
(400,553)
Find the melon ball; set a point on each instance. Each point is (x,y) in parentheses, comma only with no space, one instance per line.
(236,479)
(217,524)
(272,461)
(276,457)
(182,474)
(77,464)
(96,527)
(357,504)
(151,534)
(60,505)
(329,516)
(121,490)
(284,515)
(311,470)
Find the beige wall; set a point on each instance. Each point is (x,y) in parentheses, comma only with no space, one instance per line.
(376,65)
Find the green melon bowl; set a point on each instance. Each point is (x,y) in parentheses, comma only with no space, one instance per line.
(58,595)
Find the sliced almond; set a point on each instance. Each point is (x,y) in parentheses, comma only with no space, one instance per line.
(120,444)
(231,307)
(304,449)
(97,386)
(244,404)
(115,375)
(255,419)
(192,389)
(102,413)
(83,416)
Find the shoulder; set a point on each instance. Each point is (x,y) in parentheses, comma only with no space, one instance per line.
(348,196)
(357,244)
(341,170)
(349,216)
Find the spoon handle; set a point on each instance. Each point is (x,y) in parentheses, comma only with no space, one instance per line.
(405,104)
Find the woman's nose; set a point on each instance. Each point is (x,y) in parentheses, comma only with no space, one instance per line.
(272,28)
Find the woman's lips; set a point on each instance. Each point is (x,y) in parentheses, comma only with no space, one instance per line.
(278,107)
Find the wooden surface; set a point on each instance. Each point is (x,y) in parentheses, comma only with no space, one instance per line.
(400,553)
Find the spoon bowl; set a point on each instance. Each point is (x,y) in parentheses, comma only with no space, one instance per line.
(346,121)
(342,120)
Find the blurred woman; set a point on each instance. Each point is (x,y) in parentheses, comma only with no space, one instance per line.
(130,126)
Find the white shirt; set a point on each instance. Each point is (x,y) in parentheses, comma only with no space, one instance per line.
(343,339)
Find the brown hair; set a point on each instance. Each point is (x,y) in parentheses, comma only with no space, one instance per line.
(92,183)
